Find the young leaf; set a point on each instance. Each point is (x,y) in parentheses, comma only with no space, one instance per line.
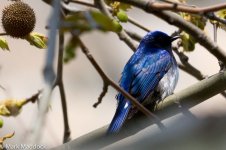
(197,20)
(222,15)
(188,42)
(4,44)
(118,5)
(38,40)
(4,111)
(69,52)
(105,23)
(11,107)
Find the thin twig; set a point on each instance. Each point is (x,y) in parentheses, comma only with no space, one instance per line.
(190,69)
(212,16)
(187,67)
(195,73)
(102,94)
(134,35)
(59,82)
(3,34)
(136,23)
(215,27)
(82,3)
(33,98)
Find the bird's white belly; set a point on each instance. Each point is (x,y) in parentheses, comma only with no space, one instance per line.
(168,83)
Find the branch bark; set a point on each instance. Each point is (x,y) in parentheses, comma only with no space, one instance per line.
(183,8)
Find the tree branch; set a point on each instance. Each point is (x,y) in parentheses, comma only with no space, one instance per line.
(134,22)
(60,84)
(156,6)
(212,16)
(176,20)
(3,34)
(187,98)
(82,3)
(102,94)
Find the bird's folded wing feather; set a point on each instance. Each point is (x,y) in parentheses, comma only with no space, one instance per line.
(147,74)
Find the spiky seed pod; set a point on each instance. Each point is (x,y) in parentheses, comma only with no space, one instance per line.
(18,19)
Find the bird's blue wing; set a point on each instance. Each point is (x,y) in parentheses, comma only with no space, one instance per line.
(148,72)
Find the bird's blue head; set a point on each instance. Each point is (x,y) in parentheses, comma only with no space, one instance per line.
(158,39)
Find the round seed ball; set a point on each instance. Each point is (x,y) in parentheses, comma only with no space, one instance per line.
(18,19)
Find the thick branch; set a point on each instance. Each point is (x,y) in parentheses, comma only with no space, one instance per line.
(188,98)
(153,6)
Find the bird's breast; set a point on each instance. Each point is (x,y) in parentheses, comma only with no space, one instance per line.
(168,83)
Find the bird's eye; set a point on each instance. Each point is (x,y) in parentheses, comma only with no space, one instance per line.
(159,39)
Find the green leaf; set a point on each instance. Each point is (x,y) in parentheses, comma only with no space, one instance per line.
(105,23)
(69,52)
(188,42)
(38,40)
(197,20)
(4,44)
(222,15)
(4,111)
(1,122)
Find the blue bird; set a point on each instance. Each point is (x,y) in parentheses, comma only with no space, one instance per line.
(150,75)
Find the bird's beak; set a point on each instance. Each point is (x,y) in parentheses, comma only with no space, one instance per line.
(174,38)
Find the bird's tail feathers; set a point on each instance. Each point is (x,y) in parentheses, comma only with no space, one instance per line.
(119,117)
